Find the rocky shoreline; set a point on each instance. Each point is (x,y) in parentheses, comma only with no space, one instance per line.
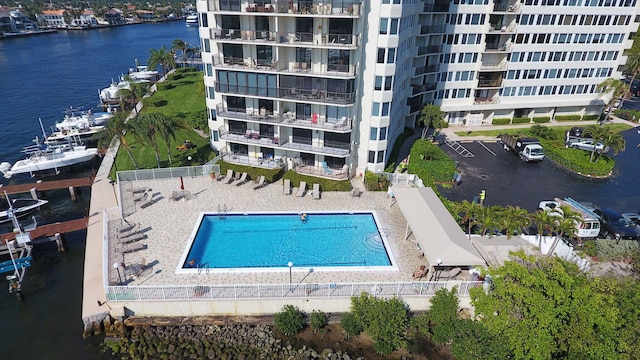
(192,341)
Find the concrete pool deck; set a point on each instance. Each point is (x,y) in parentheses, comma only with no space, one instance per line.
(168,224)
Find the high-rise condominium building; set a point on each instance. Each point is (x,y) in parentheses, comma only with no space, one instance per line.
(324,87)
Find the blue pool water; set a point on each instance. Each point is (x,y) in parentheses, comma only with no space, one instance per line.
(273,240)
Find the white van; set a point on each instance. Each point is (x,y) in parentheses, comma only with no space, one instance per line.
(589,228)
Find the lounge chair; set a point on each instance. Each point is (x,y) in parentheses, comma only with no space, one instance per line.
(243,179)
(126,227)
(142,196)
(302,189)
(129,232)
(133,248)
(326,168)
(229,175)
(139,190)
(355,192)
(261,183)
(316,191)
(133,238)
(451,274)
(287,187)
(148,201)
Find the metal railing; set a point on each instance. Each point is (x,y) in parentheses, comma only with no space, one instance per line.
(486,100)
(338,40)
(316,7)
(325,172)
(293,93)
(280,291)
(493,67)
(167,173)
(490,83)
(284,66)
(403,179)
(254,161)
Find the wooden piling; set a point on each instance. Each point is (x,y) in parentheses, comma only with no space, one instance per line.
(73,193)
(58,238)
(34,193)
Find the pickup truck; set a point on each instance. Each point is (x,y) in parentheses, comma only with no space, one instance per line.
(527,148)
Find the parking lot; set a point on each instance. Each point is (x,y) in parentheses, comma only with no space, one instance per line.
(510,181)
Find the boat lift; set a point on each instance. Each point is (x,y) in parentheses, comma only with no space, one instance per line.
(18,265)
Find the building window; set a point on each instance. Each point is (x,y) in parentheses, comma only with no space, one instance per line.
(380,157)
(373,134)
(211,92)
(378,84)
(372,157)
(215,136)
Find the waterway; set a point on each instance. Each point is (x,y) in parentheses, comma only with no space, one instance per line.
(41,77)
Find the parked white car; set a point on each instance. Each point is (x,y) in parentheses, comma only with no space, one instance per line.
(587,144)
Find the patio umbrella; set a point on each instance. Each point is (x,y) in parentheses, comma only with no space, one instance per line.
(181,183)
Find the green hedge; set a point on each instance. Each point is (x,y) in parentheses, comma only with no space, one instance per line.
(520,120)
(501,121)
(591,117)
(375,182)
(541,119)
(574,117)
(271,175)
(630,115)
(577,160)
(430,163)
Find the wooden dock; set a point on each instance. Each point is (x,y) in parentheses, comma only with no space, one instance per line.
(50,229)
(48,185)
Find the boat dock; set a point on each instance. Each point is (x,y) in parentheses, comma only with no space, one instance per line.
(49,230)
(33,188)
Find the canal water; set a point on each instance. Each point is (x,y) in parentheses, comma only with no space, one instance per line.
(41,77)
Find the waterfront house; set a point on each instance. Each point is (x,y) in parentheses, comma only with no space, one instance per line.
(13,21)
(53,18)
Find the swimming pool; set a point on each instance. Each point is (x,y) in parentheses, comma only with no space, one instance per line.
(269,241)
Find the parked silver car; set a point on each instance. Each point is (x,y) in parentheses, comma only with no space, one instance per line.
(587,144)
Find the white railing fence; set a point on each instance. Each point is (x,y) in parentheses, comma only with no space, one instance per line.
(273,291)
(168,173)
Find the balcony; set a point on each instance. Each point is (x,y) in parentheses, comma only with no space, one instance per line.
(486,100)
(433,29)
(324,172)
(292,38)
(501,66)
(317,7)
(427,69)
(327,148)
(495,83)
(506,8)
(333,70)
(342,125)
(436,8)
(245,159)
(248,115)
(422,88)
(305,95)
(249,137)
(431,49)
(496,48)
(499,28)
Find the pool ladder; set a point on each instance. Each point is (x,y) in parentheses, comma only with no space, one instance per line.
(203,267)
(222,211)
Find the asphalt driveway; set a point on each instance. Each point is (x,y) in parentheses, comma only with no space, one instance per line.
(510,181)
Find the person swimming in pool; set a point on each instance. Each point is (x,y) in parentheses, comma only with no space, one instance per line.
(191,263)
(303,218)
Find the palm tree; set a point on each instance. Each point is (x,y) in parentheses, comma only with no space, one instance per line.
(513,219)
(179,45)
(632,66)
(116,127)
(167,129)
(145,128)
(488,219)
(545,221)
(468,212)
(430,114)
(135,92)
(161,57)
(607,137)
(617,88)
(566,224)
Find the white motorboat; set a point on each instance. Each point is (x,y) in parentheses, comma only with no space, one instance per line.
(192,20)
(112,93)
(77,134)
(142,73)
(21,207)
(78,125)
(42,158)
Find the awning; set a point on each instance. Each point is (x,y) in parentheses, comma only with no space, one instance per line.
(437,232)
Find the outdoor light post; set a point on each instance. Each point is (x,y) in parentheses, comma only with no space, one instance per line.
(438,270)
(290,264)
(117,267)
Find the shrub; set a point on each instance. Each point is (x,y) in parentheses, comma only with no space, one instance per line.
(591,117)
(612,250)
(577,160)
(630,115)
(541,119)
(545,132)
(501,121)
(289,321)
(350,324)
(318,320)
(573,117)
(520,120)
(430,163)
(375,182)
(385,320)
(590,247)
